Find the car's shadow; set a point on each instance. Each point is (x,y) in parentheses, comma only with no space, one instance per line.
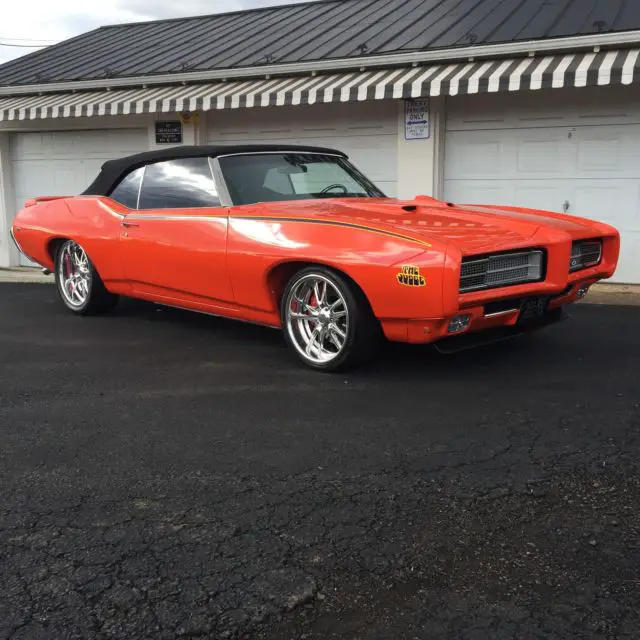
(394,360)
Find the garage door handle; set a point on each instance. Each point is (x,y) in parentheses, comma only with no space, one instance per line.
(126,223)
(566,206)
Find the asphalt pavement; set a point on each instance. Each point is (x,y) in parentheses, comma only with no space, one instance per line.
(167,475)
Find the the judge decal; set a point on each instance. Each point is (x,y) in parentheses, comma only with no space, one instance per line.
(410,276)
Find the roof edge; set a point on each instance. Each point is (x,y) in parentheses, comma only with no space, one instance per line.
(467,53)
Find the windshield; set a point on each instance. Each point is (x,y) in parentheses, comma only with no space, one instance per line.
(272,177)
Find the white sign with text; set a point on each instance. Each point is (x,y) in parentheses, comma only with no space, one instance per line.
(416,119)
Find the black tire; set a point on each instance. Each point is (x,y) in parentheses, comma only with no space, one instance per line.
(363,331)
(96,297)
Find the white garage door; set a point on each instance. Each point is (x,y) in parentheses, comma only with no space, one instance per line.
(65,162)
(367,132)
(583,159)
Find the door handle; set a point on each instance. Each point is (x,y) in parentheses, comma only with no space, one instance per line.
(126,223)
(566,206)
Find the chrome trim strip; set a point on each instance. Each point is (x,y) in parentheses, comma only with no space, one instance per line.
(509,254)
(152,216)
(220,182)
(110,211)
(210,313)
(276,152)
(18,247)
(500,313)
(144,173)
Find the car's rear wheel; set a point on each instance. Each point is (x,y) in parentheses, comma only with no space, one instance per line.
(79,285)
(327,320)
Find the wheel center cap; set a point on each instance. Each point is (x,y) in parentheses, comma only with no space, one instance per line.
(324,315)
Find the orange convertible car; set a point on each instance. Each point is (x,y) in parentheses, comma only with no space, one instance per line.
(297,238)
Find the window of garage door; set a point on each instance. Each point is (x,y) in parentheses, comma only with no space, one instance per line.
(65,162)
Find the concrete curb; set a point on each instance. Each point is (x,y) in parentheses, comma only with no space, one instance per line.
(614,294)
(603,293)
(25,275)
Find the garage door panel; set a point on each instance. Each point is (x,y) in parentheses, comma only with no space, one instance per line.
(536,195)
(478,193)
(545,154)
(601,155)
(475,159)
(490,154)
(611,201)
(629,265)
(65,162)
(593,168)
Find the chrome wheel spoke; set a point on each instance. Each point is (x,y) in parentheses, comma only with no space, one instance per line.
(312,341)
(304,316)
(317,318)
(74,272)
(320,292)
(337,330)
(334,339)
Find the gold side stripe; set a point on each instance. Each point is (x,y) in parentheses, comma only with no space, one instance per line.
(348,225)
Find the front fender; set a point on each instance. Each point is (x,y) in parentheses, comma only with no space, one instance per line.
(373,260)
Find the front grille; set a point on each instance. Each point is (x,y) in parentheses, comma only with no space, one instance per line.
(584,254)
(501,270)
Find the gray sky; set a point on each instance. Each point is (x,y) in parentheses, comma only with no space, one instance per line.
(47,21)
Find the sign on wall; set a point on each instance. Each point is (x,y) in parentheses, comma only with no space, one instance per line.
(169,132)
(416,119)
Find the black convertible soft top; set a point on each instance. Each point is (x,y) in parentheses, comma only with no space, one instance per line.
(114,170)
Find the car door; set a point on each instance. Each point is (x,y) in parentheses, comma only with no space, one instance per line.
(173,245)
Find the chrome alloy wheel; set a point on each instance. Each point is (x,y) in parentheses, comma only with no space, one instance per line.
(74,274)
(317,318)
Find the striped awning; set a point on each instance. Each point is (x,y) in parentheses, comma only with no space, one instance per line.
(516,74)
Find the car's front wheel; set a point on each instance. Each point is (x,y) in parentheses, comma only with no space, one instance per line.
(79,285)
(327,320)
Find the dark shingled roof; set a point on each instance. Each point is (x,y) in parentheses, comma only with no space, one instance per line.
(312,31)
(114,170)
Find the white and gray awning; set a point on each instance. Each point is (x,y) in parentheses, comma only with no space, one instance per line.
(516,74)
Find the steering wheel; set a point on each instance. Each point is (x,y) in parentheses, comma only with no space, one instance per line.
(331,187)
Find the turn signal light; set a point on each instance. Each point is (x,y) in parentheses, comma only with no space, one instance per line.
(459,323)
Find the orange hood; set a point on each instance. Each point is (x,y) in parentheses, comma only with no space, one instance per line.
(472,229)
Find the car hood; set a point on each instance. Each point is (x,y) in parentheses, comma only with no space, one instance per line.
(472,229)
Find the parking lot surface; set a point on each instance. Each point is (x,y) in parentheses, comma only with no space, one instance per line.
(170,475)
